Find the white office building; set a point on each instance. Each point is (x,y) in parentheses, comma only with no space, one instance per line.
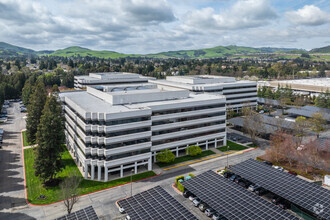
(94,79)
(238,93)
(112,129)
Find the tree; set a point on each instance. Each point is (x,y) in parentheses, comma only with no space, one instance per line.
(50,137)
(193,150)
(317,122)
(70,190)
(36,104)
(165,156)
(27,92)
(253,123)
(300,127)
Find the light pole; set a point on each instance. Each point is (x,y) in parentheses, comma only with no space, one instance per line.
(227,154)
(132,182)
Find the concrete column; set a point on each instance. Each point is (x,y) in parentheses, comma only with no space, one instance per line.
(106,174)
(215,143)
(121,170)
(177,151)
(135,168)
(197,144)
(92,171)
(86,171)
(207,145)
(149,164)
(155,158)
(99,168)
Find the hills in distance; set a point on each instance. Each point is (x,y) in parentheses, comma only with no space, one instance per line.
(215,52)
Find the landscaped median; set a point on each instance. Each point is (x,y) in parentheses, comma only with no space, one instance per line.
(232,146)
(35,188)
(186,158)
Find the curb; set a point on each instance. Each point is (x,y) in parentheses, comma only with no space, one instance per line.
(26,198)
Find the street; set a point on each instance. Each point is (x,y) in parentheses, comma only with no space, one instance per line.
(12,196)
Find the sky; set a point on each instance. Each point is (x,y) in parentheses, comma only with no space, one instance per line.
(151,26)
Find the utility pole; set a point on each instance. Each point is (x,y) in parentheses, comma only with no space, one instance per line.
(132,182)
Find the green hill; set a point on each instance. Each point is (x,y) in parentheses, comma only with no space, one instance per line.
(83,52)
(12,48)
(321,50)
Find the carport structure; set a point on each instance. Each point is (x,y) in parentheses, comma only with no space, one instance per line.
(231,200)
(309,197)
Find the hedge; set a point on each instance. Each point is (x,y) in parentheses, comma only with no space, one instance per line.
(178,178)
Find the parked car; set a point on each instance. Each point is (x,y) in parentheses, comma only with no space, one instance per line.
(283,204)
(238,179)
(121,210)
(262,111)
(202,207)
(186,194)
(192,197)
(245,183)
(276,200)
(293,173)
(233,177)
(197,201)
(227,174)
(268,163)
(260,191)
(217,216)
(253,187)
(279,168)
(128,217)
(209,212)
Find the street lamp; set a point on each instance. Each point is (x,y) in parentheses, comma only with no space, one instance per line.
(227,154)
(132,182)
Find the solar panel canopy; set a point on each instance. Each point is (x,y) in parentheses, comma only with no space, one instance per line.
(231,200)
(307,195)
(155,203)
(86,214)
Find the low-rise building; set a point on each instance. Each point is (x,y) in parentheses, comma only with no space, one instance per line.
(238,93)
(111,129)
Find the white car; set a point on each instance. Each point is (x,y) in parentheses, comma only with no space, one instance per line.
(192,197)
(279,168)
(121,210)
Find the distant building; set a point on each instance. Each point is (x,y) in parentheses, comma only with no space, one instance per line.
(112,129)
(238,93)
(109,78)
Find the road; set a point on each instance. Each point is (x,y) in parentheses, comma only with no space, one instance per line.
(12,202)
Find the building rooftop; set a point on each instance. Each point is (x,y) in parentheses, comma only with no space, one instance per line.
(112,77)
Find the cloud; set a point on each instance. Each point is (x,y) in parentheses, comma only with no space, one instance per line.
(309,15)
(243,14)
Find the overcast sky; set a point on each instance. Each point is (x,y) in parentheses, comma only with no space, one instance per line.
(149,26)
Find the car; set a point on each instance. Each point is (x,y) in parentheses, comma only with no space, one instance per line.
(217,216)
(192,197)
(245,183)
(283,204)
(209,212)
(197,201)
(233,177)
(128,217)
(227,174)
(293,173)
(238,179)
(186,194)
(279,168)
(202,207)
(121,210)
(262,111)
(253,187)
(276,200)
(268,163)
(260,191)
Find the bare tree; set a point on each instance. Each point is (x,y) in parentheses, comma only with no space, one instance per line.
(300,128)
(317,123)
(253,123)
(69,190)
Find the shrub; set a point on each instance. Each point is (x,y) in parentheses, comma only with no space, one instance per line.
(192,175)
(178,178)
(180,187)
(165,156)
(259,159)
(193,150)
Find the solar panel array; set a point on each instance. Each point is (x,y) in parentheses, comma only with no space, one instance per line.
(85,214)
(298,191)
(155,203)
(231,200)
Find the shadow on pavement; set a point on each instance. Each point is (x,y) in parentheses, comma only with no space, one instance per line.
(15,216)
(169,175)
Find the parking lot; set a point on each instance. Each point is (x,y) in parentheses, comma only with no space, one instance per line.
(238,138)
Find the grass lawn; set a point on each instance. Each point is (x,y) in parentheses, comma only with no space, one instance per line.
(35,187)
(232,146)
(186,158)
(25,142)
(252,145)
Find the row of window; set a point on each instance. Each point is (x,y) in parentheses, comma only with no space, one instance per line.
(241,87)
(155,133)
(165,112)
(242,103)
(242,97)
(234,93)
(118,156)
(175,120)
(118,133)
(154,143)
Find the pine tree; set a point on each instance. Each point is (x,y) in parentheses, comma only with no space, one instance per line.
(50,137)
(27,92)
(36,104)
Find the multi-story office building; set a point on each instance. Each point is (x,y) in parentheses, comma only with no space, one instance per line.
(117,128)
(238,93)
(94,79)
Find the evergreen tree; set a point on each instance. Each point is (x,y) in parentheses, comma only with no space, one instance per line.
(36,104)
(26,92)
(50,137)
